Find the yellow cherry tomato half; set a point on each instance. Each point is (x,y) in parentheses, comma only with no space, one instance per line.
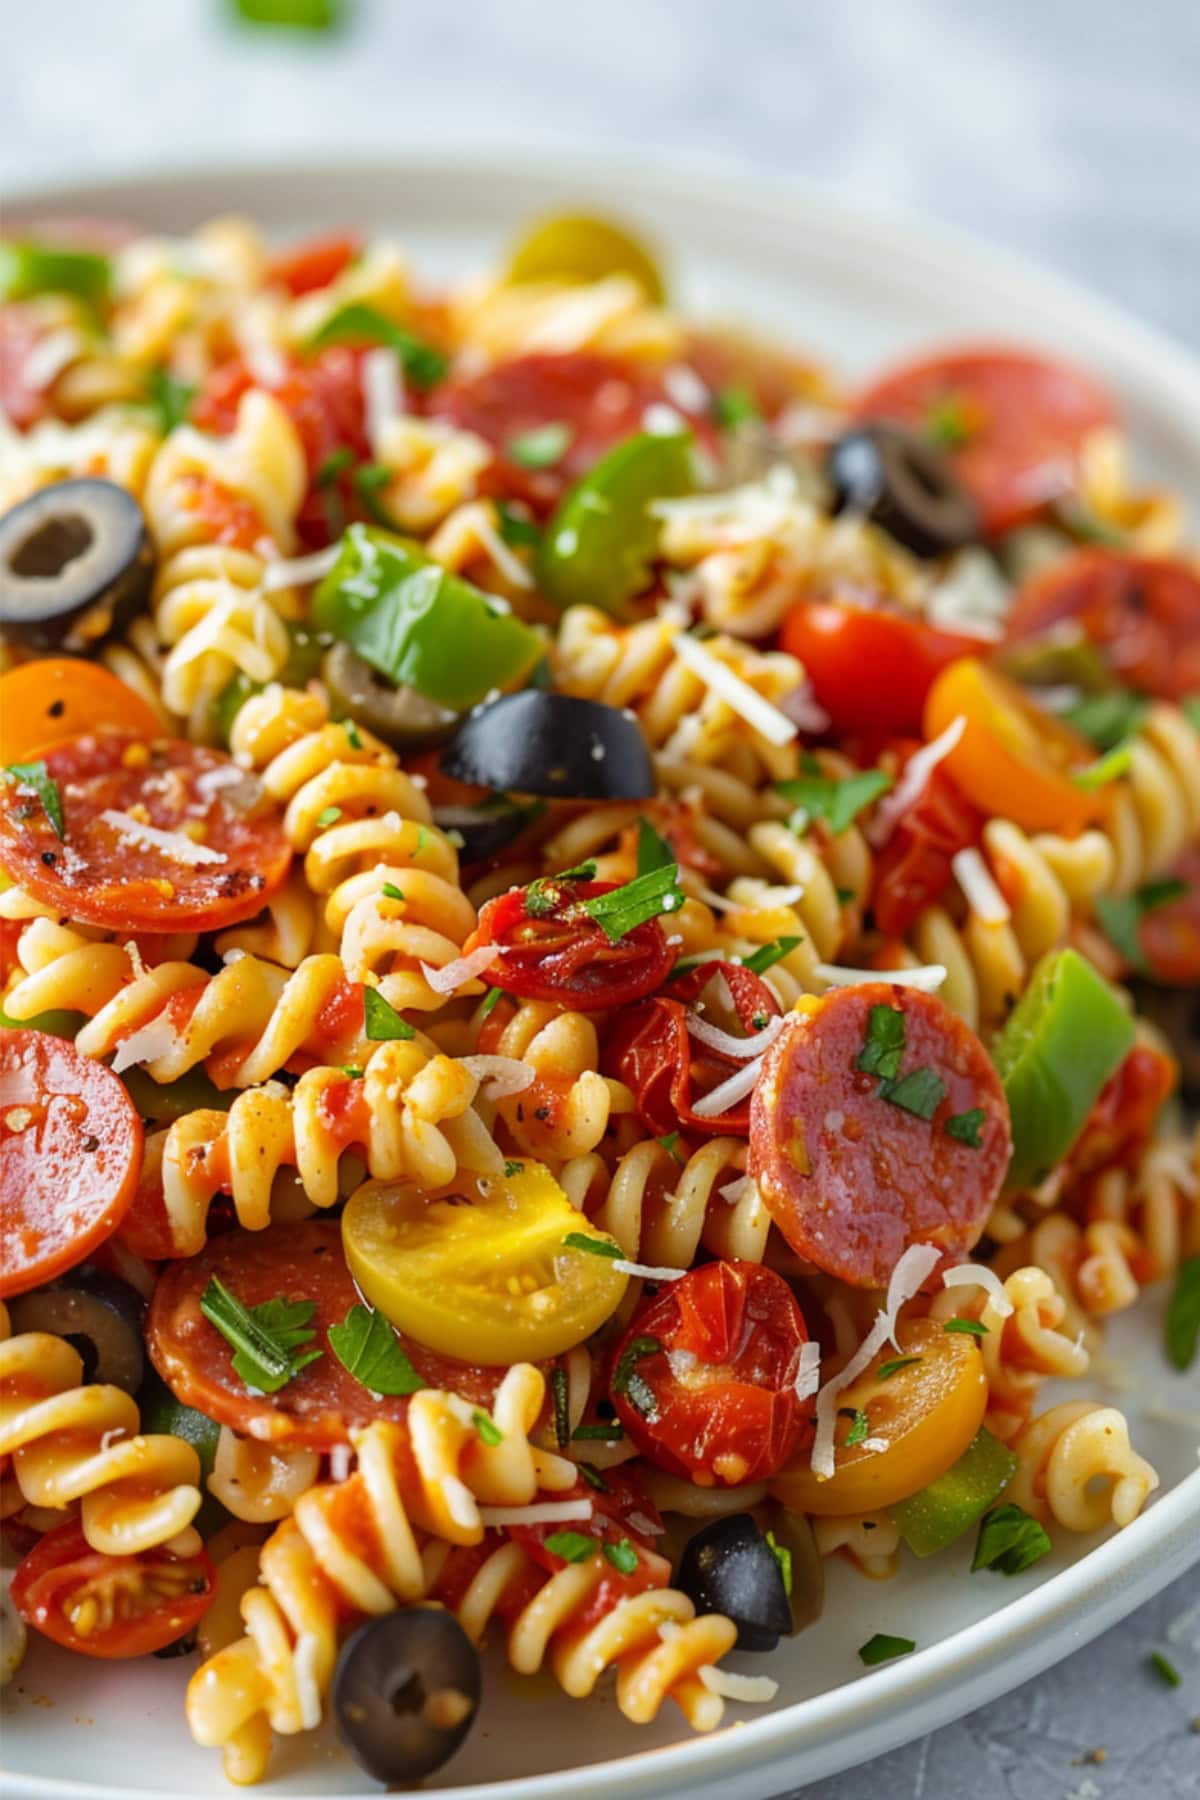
(926,1412)
(1014,758)
(484,1272)
(57,697)
(576,247)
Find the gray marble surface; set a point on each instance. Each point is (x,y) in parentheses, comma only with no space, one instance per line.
(1067,129)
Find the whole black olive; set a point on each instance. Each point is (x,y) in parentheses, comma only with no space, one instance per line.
(904,486)
(399,715)
(553,744)
(97,1313)
(76,564)
(405,1693)
(729,1567)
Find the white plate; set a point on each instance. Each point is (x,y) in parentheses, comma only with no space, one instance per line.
(854,290)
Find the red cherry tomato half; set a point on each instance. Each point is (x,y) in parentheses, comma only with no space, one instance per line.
(1011,423)
(704,1380)
(1142,611)
(913,869)
(623,1515)
(70,1153)
(870,668)
(314,263)
(224,864)
(110,1606)
(1122,1119)
(1169,935)
(652,1051)
(554,951)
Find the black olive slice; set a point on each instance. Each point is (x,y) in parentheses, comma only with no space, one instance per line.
(405,1693)
(1176,1012)
(401,716)
(904,486)
(553,744)
(729,1567)
(483,831)
(76,564)
(97,1313)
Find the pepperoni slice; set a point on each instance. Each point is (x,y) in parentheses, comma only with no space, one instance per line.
(226,856)
(853,1177)
(318,1406)
(70,1151)
(1011,422)
(1142,611)
(599,399)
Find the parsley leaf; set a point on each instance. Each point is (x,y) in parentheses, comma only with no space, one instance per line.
(572,1546)
(267,1340)
(965,1126)
(734,406)
(542,447)
(969,1327)
(595,1246)
(626,1379)
(1165,1669)
(767,955)
(838,803)
(335,464)
(1105,720)
(392,892)
(383,1022)
(170,398)
(894,1365)
(486,1426)
(516,529)
(920,1092)
(653,851)
(593,1478)
(359,324)
(668,1143)
(881,1053)
(365,1344)
(329,815)
(36,775)
(1183,1314)
(1121,915)
(622,1556)
(1009,1541)
(882,1647)
(783,1557)
(544,895)
(607,1432)
(512,1167)
(860,1427)
(638,901)
(1107,768)
(491,1000)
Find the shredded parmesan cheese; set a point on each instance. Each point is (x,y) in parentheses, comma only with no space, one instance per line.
(911,786)
(383,393)
(926,976)
(157,1037)
(808,1372)
(544,1512)
(305,1657)
(299,571)
(501,1075)
(758,712)
(456,974)
(740,1049)
(751,1690)
(728,1093)
(972,1274)
(172,844)
(983,896)
(744,1188)
(646,1271)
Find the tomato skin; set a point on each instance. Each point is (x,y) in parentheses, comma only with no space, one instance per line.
(913,869)
(870,667)
(313,263)
(70,1155)
(1122,1120)
(58,697)
(651,1050)
(733,1416)
(63,1562)
(1142,611)
(1024,416)
(1013,759)
(560,954)
(1169,935)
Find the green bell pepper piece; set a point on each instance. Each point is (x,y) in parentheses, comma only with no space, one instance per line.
(941,1512)
(57,1023)
(162,1412)
(420,625)
(27,269)
(1066,1035)
(162,1104)
(355,323)
(603,537)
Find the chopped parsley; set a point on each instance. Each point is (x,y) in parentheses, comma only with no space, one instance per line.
(595,1246)
(335,464)
(491,1000)
(860,1427)
(329,815)
(359,324)
(365,1344)
(734,406)
(170,398)
(516,529)
(622,1556)
(486,1426)
(628,1381)
(606,1432)
(668,1143)
(353,1070)
(966,1126)
(638,901)
(545,894)
(1106,720)
(767,955)
(1107,768)
(593,1477)
(836,803)
(884,1047)
(562,1416)
(894,1366)
(653,851)
(36,776)
(1165,1669)
(882,1648)
(920,1092)
(572,1546)
(355,742)
(1183,1314)
(268,1340)
(542,447)
(947,422)
(783,1557)
(512,1167)
(392,892)
(1010,1541)
(383,1022)
(1121,915)
(969,1327)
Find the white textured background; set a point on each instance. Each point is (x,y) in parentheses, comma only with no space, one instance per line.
(1068,129)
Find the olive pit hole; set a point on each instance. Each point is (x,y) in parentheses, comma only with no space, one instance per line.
(50,549)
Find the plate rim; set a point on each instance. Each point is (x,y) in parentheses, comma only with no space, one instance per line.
(865,1716)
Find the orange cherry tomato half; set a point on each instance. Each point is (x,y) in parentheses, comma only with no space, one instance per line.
(110,1606)
(70,1153)
(1011,423)
(871,668)
(58,697)
(1142,611)
(1013,759)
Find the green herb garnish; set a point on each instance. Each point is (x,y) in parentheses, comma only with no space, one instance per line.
(1107,768)
(894,1366)
(383,1022)
(783,1557)
(593,1476)
(920,1092)
(1106,720)
(562,1415)
(884,1046)
(580,1240)
(491,1000)
(489,1432)
(268,1340)
(1183,1314)
(668,1143)
(365,1344)
(1165,1669)
(541,448)
(734,406)
(623,909)
(969,1327)
(572,1546)
(837,803)
(512,1168)
(882,1647)
(653,851)
(359,324)
(170,398)
(947,423)
(767,955)
(605,1433)
(627,1380)
(1121,915)
(966,1126)
(516,529)
(622,1556)
(860,1428)
(329,815)
(36,777)
(392,892)
(1009,1541)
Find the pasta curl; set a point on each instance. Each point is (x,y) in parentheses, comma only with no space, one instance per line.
(1077,1468)
(663,1213)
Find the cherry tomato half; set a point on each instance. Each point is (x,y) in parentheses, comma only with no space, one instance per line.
(704,1380)
(110,1606)
(1014,758)
(871,668)
(913,869)
(70,1154)
(651,1050)
(313,263)
(1169,935)
(1142,611)
(553,950)
(1122,1120)
(622,1514)
(58,697)
(1011,423)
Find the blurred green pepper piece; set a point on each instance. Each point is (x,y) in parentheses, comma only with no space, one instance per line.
(27,269)
(600,544)
(163,1103)
(58,1023)
(930,1520)
(296,15)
